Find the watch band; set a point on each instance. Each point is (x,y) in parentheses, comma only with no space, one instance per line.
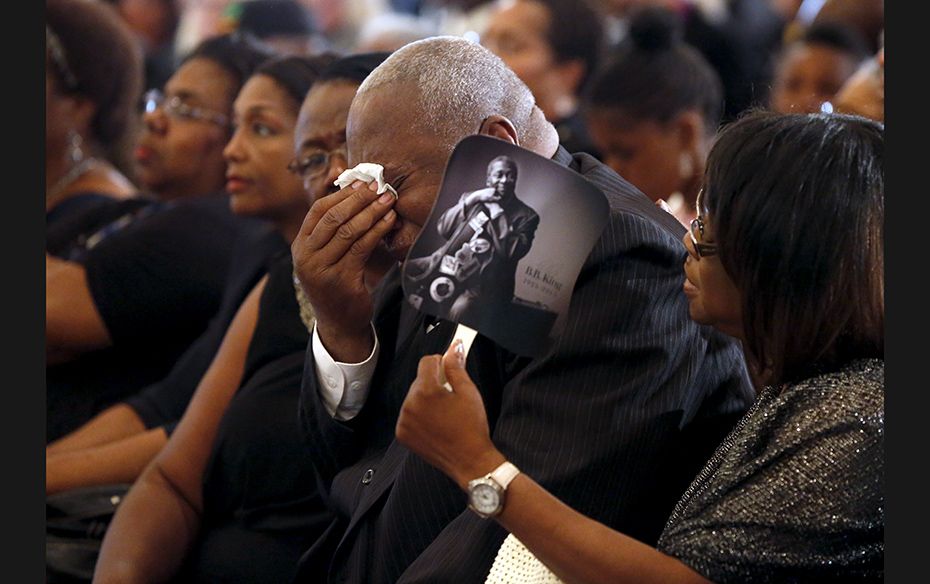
(488,494)
(504,473)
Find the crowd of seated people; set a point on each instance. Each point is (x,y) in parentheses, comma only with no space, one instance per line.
(126,296)
(657,131)
(230,350)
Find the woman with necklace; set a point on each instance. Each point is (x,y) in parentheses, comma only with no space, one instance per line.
(190,516)
(126,297)
(93,80)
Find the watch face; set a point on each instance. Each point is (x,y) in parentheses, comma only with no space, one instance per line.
(485,498)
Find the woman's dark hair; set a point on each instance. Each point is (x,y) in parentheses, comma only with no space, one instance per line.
(576,31)
(797,205)
(654,75)
(239,53)
(267,18)
(98,58)
(353,68)
(297,73)
(836,36)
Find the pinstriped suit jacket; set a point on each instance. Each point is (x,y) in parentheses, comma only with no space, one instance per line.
(616,419)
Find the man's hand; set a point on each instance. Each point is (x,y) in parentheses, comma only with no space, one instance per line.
(488,195)
(448,429)
(337,237)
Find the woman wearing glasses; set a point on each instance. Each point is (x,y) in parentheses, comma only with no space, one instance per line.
(232,495)
(179,153)
(786,255)
(116,444)
(125,301)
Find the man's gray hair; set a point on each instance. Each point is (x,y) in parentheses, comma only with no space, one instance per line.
(458,84)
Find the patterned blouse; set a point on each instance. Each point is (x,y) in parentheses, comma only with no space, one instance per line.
(795,492)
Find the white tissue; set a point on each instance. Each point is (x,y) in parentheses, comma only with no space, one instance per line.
(365,172)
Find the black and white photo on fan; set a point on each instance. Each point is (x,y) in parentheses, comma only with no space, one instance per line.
(504,244)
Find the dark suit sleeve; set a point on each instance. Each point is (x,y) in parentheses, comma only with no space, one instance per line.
(163,276)
(520,240)
(452,218)
(332,444)
(599,420)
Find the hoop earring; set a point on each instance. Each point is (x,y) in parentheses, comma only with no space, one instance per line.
(75,152)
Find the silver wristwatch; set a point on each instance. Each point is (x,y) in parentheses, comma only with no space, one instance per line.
(486,494)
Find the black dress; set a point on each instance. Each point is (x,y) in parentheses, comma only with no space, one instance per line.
(69,224)
(156,283)
(163,403)
(261,504)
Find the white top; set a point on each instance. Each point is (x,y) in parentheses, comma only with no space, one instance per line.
(515,564)
(365,172)
(343,386)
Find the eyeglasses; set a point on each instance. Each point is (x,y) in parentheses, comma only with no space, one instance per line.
(316,162)
(174,107)
(696,232)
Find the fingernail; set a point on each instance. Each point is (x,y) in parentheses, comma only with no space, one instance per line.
(386,198)
(373,186)
(357,184)
(389,216)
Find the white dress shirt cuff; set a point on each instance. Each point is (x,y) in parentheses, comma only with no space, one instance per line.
(343,386)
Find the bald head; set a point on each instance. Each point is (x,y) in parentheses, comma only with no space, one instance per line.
(455,85)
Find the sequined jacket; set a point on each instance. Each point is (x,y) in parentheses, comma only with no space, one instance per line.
(795,492)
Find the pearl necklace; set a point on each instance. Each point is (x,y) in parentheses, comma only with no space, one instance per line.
(74,173)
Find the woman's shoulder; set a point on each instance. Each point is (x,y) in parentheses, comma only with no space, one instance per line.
(854,391)
(849,400)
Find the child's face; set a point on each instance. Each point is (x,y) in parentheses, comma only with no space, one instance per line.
(807,76)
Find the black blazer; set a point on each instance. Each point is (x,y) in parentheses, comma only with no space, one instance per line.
(615,420)
(513,233)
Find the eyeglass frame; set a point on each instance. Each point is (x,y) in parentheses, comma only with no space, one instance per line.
(299,164)
(701,250)
(154,99)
